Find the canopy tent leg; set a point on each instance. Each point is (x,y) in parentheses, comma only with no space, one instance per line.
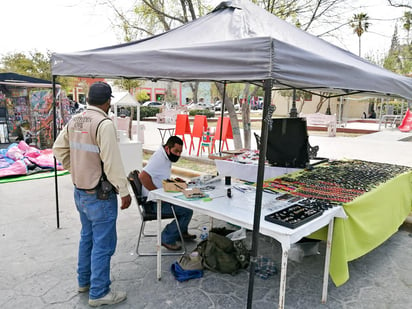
(266,118)
(222,112)
(56,188)
(293,111)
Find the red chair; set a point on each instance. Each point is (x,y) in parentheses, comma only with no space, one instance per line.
(406,124)
(199,126)
(182,127)
(227,132)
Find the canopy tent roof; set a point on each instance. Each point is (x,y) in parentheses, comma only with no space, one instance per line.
(14,79)
(123,98)
(238,41)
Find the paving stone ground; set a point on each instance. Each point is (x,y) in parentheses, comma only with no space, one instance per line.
(38,260)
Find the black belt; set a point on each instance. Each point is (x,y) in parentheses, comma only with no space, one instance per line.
(90,191)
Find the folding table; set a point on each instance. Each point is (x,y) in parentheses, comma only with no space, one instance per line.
(239,210)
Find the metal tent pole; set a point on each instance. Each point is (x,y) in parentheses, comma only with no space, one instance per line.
(56,188)
(293,111)
(266,118)
(222,112)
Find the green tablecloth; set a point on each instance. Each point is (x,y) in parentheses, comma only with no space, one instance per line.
(33,176)
(372,219)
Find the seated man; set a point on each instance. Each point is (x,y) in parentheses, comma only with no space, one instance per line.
(157,169)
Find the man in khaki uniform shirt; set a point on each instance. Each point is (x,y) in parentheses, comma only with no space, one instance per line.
(87,147)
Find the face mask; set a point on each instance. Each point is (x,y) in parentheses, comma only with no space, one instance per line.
(107,109)
(172,157)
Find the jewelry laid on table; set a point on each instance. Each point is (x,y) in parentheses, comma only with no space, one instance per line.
(337,181)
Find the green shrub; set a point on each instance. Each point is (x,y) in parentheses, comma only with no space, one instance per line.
(148,111)
(205,112)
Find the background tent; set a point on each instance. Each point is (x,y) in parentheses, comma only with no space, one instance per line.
(14,79)
(24,107)
(239,42)
(122,99)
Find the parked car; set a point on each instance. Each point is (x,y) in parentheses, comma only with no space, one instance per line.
(200,105)
(218,107)
(152,104)
(78,107)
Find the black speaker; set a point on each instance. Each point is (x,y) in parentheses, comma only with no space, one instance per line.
(287,144)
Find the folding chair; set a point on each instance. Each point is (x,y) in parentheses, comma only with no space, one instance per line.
(150,216)
(207,140)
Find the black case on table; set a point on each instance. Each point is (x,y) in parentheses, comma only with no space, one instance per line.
(287,143)
(293,216)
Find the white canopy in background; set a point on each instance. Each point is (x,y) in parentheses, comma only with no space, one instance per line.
(123,98)
(238,41)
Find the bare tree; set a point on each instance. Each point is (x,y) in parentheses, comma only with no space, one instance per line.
(152,17)
(322,100)
(401,4)
(246,121)
(232,115)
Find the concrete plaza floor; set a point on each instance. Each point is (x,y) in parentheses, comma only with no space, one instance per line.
(38,260)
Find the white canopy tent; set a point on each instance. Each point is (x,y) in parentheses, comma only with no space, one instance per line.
(124,98)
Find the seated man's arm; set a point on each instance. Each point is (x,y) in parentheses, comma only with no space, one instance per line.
(146,181)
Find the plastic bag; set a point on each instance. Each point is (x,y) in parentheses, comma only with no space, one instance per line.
(237,235)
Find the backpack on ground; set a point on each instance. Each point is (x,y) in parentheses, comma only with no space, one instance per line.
(220,255)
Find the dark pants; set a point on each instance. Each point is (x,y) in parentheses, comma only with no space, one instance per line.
(170,233)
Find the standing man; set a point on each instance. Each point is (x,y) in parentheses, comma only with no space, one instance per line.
(87,147)
(157,169)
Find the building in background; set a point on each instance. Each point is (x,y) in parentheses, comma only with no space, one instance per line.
(79,91)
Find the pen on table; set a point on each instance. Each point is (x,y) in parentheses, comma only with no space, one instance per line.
(270,191)
(213,197)
(239,189)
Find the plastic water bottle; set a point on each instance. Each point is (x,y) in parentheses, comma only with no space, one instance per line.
(205,234)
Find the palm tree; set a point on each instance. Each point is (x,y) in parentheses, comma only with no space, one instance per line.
(407,19)
(360,25)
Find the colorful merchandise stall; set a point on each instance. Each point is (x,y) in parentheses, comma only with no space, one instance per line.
(26,125)
(26,106)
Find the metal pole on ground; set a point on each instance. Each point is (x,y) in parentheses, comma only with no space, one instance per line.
(221,118)
(56,188)
(293,111)
(266,118)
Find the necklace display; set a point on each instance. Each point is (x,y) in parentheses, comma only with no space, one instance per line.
(337,181)
(311,192)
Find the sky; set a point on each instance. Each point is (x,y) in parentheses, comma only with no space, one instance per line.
(75,25)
